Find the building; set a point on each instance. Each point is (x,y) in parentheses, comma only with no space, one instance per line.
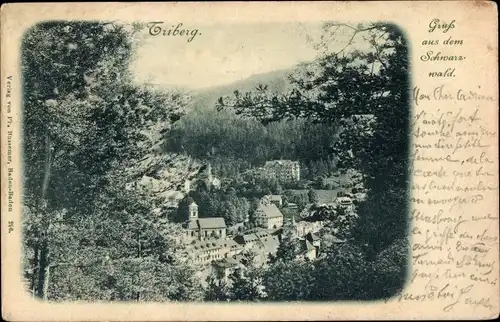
(309,246)
(302,228)
(314,240)
(282,170)
(224,267)
(267,215)
(344,202)
(202,228)
(212,249)
(309,251)
(275,199)
(260,241)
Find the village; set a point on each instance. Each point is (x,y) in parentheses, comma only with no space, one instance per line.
(216,248)
(283,181)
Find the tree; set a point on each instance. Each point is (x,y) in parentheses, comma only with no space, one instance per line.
(289,281)
(246,283)
(319,182)
(342,275)
(89,234)
(289,247)
(217,289)
(58,121)
(287,197)
(254,204)
(181,214)
(364,94)
(313,196)
(389,272)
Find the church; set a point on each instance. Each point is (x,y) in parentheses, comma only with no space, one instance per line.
(203,228)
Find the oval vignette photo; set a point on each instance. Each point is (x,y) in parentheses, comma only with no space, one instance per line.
(165,161)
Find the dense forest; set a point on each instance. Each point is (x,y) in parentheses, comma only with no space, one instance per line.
(233,143)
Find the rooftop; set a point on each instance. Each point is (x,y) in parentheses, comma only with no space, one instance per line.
(312,236)
(213,243)
(207,223)
(274,197)
(269,210)
(308,245)
(344,200)
(233,261)
(280,162)
(262,240)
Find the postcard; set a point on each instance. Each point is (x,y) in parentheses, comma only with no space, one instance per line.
(255,161)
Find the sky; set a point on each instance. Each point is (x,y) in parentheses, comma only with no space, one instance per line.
(221,54)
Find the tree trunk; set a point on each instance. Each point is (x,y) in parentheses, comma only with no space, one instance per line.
(43,260)
(139,255)
(43,263)
(48,166)
(46,283)
(34,273)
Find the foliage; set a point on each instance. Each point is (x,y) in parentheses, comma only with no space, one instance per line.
(286,281)
(390,272)
(289,247)
(234,144)
(364,94)
(300,199)
(90,235)
(247,283)
(214,203)
(217,289)
(338,221)
(312,195)
(343,273)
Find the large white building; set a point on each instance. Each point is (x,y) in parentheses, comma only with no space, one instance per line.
(282,170)
(267,215)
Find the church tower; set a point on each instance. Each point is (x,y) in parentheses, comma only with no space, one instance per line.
(193,211)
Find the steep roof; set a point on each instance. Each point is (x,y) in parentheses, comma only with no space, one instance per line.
(312,236)
(280,162)
(263,241)
(211,223)
(270,210)
(275,197)
(269,244)
(207,223)
(308,245)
